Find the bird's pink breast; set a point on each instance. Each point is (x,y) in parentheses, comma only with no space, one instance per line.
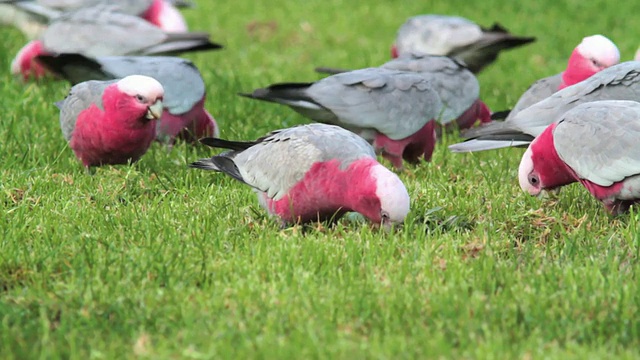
(477,111)
(190,126)
(165,16)
(98,140)
(325,191)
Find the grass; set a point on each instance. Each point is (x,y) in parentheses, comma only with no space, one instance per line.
(156,260)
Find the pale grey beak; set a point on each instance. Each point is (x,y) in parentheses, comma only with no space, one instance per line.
(154,111)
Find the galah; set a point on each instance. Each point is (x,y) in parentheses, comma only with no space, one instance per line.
(618,82)
(103,30)
(184,114)
(457,87)
(111,122)
(456,37)
(595,143)
(313,172)
(594,53)
(396,110)
(32,16)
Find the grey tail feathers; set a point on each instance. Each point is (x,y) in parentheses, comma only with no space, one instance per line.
(183,42)
(329,70)
(62,65)
(227,144)
(219,163)
(284,91)
(500,115)
(492,143)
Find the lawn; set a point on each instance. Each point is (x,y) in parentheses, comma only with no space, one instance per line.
(157,260)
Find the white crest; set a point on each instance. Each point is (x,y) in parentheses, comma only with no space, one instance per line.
(393,195)
(146,86)
(525,168)
(600,48)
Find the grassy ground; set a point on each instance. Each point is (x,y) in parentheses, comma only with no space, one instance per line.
(157,260)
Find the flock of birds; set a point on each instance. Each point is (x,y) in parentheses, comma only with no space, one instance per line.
(128,90)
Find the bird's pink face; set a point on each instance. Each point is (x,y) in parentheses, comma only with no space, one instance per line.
(165,16)
(24,63)
(596,53)
(140,96)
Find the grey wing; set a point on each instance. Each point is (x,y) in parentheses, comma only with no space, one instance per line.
(599,140)
(181,79)
(100,31)
(538,91)
(283,158)
(394,103)
(619,82)
(436,34)
(80,97)
(131,7)
(457,87)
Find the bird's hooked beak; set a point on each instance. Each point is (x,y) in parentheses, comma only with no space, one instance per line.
(549,193)
(154,111)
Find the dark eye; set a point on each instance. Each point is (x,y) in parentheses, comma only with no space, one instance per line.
(533,180)
(595,62)
(141,98)
(384,215)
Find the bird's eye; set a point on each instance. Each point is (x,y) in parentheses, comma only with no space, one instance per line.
(595,62)
(141,98)
(384,215)
(534,180)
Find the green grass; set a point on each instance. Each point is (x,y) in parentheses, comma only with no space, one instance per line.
(156,260)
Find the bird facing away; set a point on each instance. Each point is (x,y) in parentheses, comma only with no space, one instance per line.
(184,115)
(457,87)
(456,37)
(103,30)
(595,143)
(395,110)
(33,16)
(313,172)
(618,82)
(111,122)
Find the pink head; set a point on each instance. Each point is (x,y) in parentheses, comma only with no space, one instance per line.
(541,168)
(165,16)
(136,96)
(595,53)
(387,200)
(24,63)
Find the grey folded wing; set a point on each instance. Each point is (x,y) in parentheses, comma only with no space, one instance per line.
(80,98)
(599,140)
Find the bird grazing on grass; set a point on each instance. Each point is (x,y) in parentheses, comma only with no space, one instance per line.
(32,16)
(595,143)
(457,87)
(184,115)
(395,110)
(111,122)
(593,54)
(313,172)
(618,82)
(456,37)
(105,31)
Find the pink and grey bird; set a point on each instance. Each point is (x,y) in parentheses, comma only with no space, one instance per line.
(596,144)
(111,122)
(313,172)
(395,110)
(594,54)
(456,37)
(618,82)
(184,115)
(32,16)
(457,87)
(103,30)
